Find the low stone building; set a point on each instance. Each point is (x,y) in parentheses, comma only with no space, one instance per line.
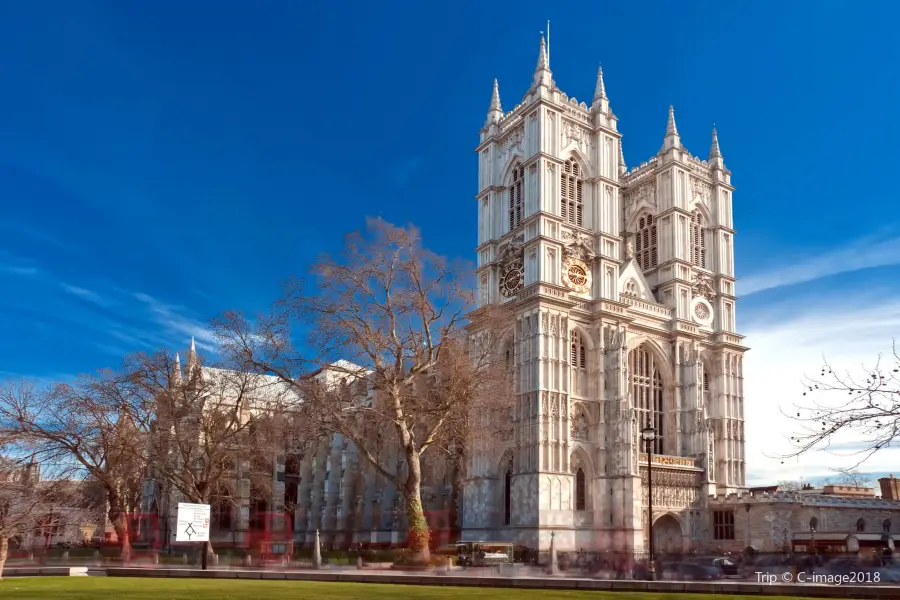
(829,520)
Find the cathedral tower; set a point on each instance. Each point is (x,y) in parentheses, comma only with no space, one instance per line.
(622,288)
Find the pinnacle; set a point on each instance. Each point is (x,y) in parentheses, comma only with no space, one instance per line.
(543,60)
(671,129)
(600,91)
(714,151)
(495,98)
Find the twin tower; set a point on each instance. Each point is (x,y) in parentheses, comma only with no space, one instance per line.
(622,288)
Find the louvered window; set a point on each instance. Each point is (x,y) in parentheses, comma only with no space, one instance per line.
(646,243)
(517,197)
(698,241)
(571,194)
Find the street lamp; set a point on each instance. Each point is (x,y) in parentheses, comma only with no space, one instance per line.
(812,536)
(648,434)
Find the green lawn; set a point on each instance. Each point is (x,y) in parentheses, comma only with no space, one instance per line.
(114,588)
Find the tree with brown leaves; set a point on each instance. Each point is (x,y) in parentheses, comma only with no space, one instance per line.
(842,412)
(395,315)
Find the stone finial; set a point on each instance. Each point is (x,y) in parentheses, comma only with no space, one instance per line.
(600,90)
(495,111)
(542,74)
(623,168)
(495,99)
(714,151)
(672,139)
(671,128)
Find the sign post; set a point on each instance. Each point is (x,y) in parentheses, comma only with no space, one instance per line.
(193,526)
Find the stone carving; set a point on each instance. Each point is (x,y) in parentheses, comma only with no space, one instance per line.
(545,404)
(702,287)
(511,143)
(699,190)
(573,134)
(545,323)
(579,427)
(629,250)
(646,194)
(578,246)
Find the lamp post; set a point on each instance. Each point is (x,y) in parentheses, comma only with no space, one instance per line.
(648,434)
(812,537)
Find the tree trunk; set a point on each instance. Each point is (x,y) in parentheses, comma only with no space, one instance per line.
(4,552)
(456,490)
(418,526)
(121,526)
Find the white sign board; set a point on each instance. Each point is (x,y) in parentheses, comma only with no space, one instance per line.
(193,523)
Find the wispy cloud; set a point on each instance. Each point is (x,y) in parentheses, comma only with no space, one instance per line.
(866,253)
(86,294)
(788,345)
(176,322)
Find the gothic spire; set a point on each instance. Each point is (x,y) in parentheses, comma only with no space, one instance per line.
(542,74)
(623,168)
(495,111)
(176,370)
(671,129)
(193,363)
(672,139)
(714,151)
(600,90)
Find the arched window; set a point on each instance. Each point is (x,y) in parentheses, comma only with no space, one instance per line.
(813,523)
(646,244)
(572,203)
(579,489)
(517,197)
(509,356)
(647,392)
(578,355)
(698,242)
(886,526)
(507,494)
(860,525)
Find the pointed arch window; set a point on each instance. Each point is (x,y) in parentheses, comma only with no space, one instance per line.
(579,358)
(698,241)
(579,489)
(647,243)
(647,393)
(571,193)
(507,494)
(886,526)
(517,197)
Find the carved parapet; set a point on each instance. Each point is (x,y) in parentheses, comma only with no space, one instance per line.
(648,308)
(672,461)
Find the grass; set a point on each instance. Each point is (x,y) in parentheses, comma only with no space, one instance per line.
(103,588)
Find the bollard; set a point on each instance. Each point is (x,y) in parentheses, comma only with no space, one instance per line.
(96,554)
(248,560)
(184,559)
(359,563)
(449,563)
(155,558)
(215,560)
(65,555)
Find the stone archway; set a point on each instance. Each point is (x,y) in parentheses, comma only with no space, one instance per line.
(667,535)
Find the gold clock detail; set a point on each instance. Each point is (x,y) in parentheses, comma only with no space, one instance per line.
(576,276)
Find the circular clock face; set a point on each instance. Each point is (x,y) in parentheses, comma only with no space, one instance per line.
(513,279)
(577,276)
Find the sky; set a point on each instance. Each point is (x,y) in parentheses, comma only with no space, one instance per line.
(161,162)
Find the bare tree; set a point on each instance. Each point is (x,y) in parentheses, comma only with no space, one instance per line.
(26,497)
(789,486)
(88,425)
(207,427)
(851,478)
(865,406)
(395,314)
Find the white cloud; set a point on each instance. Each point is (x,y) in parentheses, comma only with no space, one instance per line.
(865,253)
(86,294)
(176,323)
(785,350)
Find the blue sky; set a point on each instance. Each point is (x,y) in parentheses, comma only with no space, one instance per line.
(160,162)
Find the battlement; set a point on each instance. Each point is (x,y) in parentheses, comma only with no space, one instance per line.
(817,500)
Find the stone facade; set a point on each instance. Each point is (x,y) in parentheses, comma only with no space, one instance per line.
(622,287)
(829,521)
